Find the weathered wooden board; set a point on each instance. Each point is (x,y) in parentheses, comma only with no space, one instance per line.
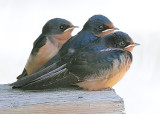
(61,101)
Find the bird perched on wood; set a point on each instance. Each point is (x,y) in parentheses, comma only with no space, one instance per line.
(94,28)
(54,34)
(98,65)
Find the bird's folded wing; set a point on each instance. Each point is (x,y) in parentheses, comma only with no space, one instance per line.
(93,64)
(51,80)
(29,78)
(82,65)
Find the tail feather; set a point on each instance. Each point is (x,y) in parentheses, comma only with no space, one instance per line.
(24,73)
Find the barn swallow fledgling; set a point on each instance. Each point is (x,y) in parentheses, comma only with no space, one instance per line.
(103,69)
(54,34)
(95,27)
(100,64)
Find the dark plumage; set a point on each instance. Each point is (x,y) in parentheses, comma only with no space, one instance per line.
(100,64)
(95,27)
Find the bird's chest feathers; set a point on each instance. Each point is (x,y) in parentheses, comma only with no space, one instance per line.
(48,50)
(44,54)
(107,78)
(117,73)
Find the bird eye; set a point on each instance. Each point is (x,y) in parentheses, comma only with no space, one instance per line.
(100,27)
(122,43)
(62,27)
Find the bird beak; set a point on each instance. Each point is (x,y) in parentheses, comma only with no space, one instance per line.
(110,30)
(131,46)
(116,28)
(71,28)
(134,44)
(75,26)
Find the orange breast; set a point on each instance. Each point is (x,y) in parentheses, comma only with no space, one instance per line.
(44,54)
(106,79)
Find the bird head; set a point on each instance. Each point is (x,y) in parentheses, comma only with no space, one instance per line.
(121,40)
(99,25)
(57,26)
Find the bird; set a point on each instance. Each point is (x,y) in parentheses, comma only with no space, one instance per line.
(54,34)
(96,27)
(98,65)
(102,69)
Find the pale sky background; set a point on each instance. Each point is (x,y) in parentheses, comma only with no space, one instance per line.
(21,22)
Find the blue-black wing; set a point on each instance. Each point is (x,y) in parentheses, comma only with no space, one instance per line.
(82,66)
(38,43)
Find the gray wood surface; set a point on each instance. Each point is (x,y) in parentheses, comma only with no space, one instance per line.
(60,101)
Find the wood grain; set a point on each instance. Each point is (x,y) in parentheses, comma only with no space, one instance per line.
(60,101)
